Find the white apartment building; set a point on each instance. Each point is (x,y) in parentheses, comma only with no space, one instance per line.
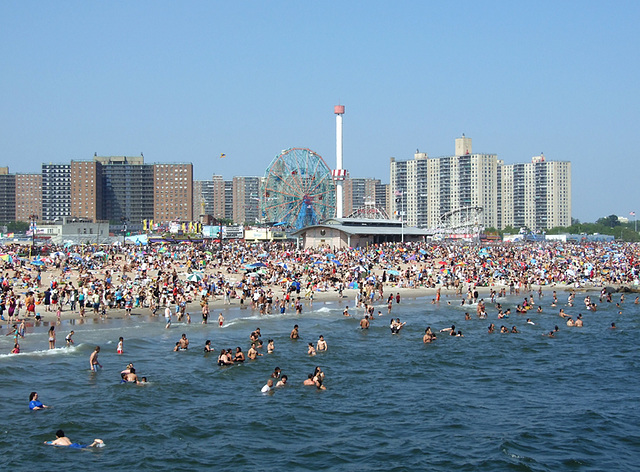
(535,195)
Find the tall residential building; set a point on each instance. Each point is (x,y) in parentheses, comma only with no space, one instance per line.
(209,197)
(358,191)
(7,196)
(228,199)
(127,189)
(86,190)
(246,200)
(536,195)
(56,192)
(28,196)
(172,192)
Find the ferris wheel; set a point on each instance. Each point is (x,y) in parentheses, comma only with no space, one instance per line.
(297,189)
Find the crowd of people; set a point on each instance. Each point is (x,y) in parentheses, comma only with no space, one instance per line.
(278,278)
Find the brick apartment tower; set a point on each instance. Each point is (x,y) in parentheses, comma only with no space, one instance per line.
(172,192)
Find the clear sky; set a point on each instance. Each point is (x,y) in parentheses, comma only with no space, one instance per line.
(189,80)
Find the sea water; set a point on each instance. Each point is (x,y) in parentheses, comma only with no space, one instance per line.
(482,402)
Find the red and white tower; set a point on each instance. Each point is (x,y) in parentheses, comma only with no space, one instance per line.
(339,173)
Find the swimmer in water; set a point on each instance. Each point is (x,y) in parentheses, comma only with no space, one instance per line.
(184,342)
(530,322)
(239,357)
(207,346)
(68,338)
(222,359)
(220,320)
(93,359)
(268,387)
(131,377)
(252,353)
(63,441)
(312,350)
(322,344)
(294,333)
(34,403)
(270,346)
(283,381)
(364,323)
(120,348)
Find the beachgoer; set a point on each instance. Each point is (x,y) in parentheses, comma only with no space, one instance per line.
(267,388)
(34,403)
(184,342)
(294,333)
(52,337)
(239,357)
(321,344)
(93,359)
(62,440)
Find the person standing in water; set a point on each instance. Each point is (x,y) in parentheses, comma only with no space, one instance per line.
(52,337)
(93,359)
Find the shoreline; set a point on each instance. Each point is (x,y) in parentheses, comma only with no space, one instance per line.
(217,305)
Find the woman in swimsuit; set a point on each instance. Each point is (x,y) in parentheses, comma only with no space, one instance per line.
(52,337)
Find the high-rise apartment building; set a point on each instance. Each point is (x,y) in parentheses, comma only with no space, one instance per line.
(359,192)
(246,200)
(536,195)
(86,190)
(28,196)
(7,196)
(172,192)
(228,199)
(127,189)
(56,191)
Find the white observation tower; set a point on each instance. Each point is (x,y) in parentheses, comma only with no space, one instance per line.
(339,173)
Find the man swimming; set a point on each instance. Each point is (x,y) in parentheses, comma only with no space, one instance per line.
(62,440)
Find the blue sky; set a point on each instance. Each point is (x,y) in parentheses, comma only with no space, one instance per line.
(186,81)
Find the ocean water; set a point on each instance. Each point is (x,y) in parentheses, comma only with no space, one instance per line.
(483,402)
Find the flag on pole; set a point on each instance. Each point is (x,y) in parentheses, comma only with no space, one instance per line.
(222,155)
(398,193)
(632,213)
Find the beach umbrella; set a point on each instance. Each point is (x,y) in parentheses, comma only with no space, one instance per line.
(255,265)
(6,257)
(37,263)
(263,255)
(194,277)
(393,272)
(337,262)
(98,254)
(58,254)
